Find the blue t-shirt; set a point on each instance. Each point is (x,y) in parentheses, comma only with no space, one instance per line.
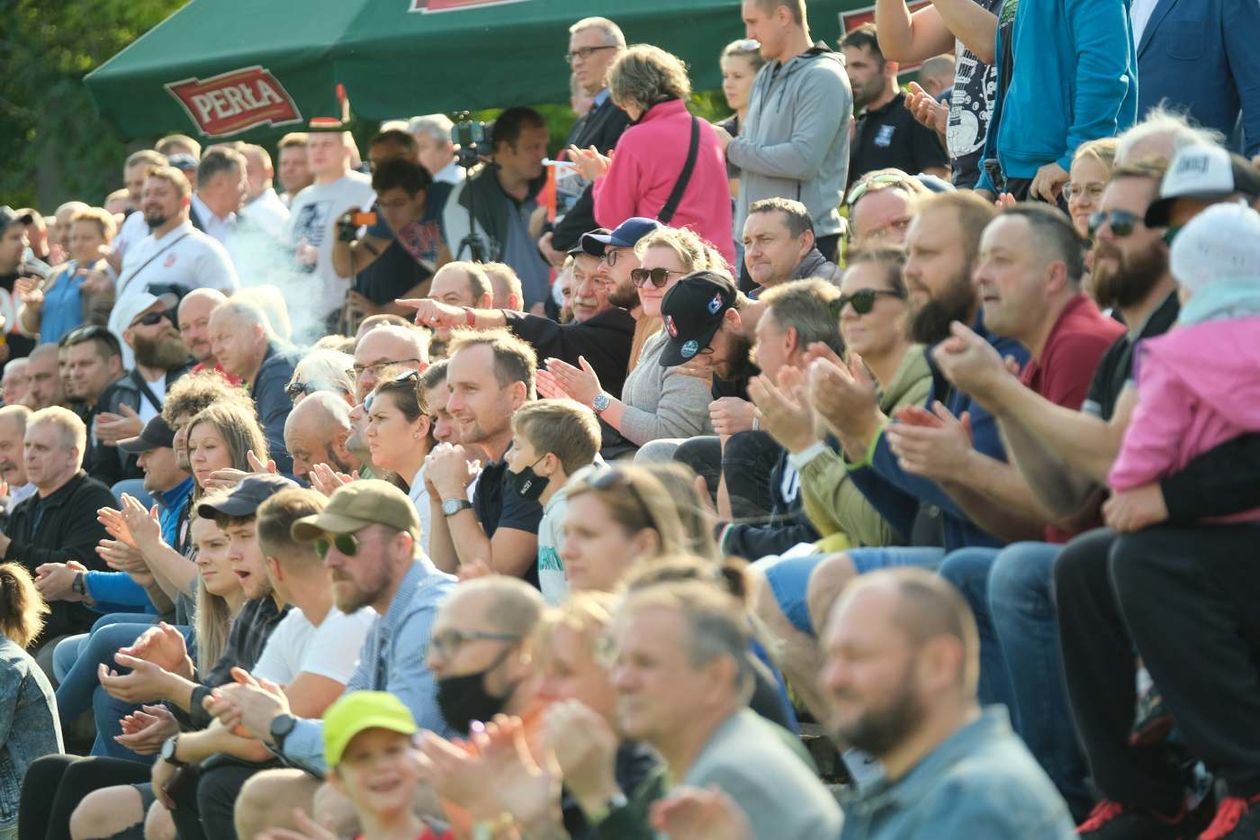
(63,306)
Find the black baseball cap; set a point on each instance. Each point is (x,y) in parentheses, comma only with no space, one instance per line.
(587,245)
(624,235)
(245,498)
(155,435)
(692,312)
(8,216)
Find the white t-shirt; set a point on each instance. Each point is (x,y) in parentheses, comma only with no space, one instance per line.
(312,220)
(419,495)
(134,228)
(183,257)
(147,412)
(330,650)
(268,213)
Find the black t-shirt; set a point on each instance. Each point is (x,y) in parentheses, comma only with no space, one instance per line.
(391,275)
(1115,368)
(892,137)
(496,507)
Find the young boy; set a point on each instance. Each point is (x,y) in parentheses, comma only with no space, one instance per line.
(552,440)
(373,764)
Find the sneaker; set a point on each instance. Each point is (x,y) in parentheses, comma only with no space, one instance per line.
(1152,721)
(1235,817)
(1114,821)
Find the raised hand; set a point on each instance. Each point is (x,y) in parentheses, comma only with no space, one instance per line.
(585,748)
(143,525)
(589,162)
(256,464)
(111,428)
(785,412)
(926,110)
(580,383)
(325,479)
(162,645)
(971,363)
(434,313)
(116,525)
(845,397)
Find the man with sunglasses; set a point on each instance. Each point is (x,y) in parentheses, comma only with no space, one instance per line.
(368,536)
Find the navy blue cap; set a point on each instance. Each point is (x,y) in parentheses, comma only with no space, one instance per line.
(624,235)
(245,498)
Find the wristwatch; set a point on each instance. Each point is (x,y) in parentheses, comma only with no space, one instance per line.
(79,585)
(450,507)
(617,801)
(281,726)
(168,752)
(601,402)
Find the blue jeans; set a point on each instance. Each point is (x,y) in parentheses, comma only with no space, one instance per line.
(1010,591)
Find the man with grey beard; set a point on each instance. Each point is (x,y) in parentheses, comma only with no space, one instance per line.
(161,357)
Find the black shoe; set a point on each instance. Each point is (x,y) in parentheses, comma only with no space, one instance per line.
(1236,817)
(1114,821)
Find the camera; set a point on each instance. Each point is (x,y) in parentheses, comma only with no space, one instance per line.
(471,139)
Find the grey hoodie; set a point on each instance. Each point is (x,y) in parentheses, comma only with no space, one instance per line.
(795,142)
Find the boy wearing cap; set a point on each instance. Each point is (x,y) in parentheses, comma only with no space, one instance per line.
(368,742)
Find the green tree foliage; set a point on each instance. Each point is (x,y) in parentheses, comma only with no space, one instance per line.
(53,144)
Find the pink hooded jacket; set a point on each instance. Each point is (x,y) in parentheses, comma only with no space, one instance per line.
(1198,386)
(646,164)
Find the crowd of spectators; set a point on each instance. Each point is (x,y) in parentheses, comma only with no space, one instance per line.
(394,498)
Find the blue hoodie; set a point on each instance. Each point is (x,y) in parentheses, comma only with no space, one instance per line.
(1074,80)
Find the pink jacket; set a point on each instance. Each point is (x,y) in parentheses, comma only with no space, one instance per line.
(646,164)
(1198,386)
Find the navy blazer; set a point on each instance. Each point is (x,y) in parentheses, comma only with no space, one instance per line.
(1200,56)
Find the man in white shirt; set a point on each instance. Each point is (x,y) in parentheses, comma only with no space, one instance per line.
(175,254)
(221,189)
(436,152)
(315,211)
(263,207)
(134,228)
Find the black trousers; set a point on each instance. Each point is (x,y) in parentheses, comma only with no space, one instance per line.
(1184,600)
(746,463)
(55,785)
(204,810)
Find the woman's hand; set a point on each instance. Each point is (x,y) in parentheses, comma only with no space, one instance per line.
(579,383)
(589,162)
(325,479)
(143,524)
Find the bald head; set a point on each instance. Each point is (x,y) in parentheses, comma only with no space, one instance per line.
(462,284)
(194,321)
(316,432)
(387,346)
(504,604)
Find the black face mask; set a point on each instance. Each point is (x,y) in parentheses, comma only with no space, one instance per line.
(528,484)
(464,699)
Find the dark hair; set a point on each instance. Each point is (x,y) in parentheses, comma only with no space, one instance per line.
(1053,230)
(106,342)
(795,214)
(891,260)
(433,374)
(218,160)
(864,36)
(400,173)
(510,124)
(514,359)
(398,137)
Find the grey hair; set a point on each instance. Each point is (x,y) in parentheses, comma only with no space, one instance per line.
(613,35)
(326,370)
(436,126)
(1162,121)
(645,75)
(806,306)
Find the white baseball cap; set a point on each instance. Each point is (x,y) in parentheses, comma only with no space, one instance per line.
(132,306)
(1202,172)
(1221,243)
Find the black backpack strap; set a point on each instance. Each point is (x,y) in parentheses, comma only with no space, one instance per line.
(680,186)
(146,393)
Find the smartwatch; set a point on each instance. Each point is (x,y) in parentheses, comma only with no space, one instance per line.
(281,726)
(168,752)
(601,402)
(79,585)
(450,507)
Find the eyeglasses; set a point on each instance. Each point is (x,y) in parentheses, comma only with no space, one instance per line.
(446,643)
(296,389)
(659,276)
(863,300)
(347,544)
(875,182)
(585,52)
(1121,222)
(377,367)
(1077,192)
(610,255)
(152,318)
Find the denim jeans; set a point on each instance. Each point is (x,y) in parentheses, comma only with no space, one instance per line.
(1011,594)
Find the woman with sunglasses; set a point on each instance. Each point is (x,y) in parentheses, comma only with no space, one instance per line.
(644,174)
(323,370)
(399,436)
(617,518)
(656,402)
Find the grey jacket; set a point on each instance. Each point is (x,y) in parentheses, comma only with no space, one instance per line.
(29,727)
(795,142)
(661,402)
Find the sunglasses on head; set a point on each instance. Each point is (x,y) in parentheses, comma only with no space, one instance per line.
(875,182)
(863,300)
(658,276)
(1121,222)
(347,544)
(298,389)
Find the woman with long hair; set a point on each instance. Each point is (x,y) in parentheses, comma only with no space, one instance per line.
(29,716)
(656,401)
(399,436)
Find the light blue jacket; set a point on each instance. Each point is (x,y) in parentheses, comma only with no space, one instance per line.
(29,726)
(1074,80)
(980,784)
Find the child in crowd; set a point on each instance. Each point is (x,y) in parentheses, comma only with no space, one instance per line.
(1199,383)
(368,741)
(552,440)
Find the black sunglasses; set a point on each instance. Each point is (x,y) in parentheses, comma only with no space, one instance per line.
(659,276)
(297,389)
(347,544)
(613,479)
(863,300)
(152,318)
(1121,222)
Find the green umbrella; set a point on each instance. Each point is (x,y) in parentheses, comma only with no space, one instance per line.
(223,68)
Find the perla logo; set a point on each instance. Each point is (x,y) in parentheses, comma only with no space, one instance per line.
(690,349)
(232,102)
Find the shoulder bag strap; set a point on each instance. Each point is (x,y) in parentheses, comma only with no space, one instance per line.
(680,186)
